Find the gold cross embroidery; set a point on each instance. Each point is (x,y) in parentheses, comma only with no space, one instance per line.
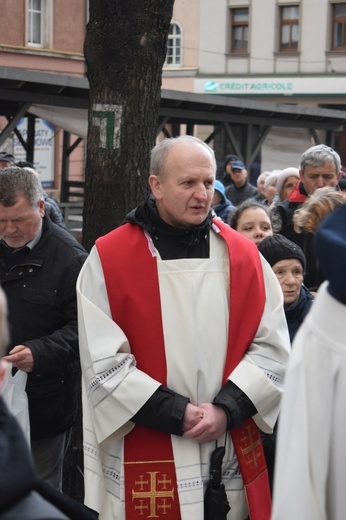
(251,448)
(153,494)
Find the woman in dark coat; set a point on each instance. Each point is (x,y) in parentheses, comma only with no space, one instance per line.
(288,263)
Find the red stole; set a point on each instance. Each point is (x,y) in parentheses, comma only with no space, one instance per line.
(130,272)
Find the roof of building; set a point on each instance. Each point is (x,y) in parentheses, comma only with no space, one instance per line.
(52,96)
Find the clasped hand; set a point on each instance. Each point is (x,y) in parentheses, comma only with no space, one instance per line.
(204,423)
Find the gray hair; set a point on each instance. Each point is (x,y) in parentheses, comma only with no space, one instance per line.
(15,181)
(318,155)
(159,153)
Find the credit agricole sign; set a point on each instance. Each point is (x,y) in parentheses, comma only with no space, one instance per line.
(282,86)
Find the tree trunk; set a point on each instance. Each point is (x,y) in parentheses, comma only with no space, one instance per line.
(125,49)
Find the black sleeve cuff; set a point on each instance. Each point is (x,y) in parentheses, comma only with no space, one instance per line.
(237,405)
(164,411)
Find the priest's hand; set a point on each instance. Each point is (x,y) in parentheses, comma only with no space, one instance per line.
(212,425)
(21,357)
(193,414)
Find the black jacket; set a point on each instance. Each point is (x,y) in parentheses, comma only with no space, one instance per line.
(296,312)
(41,294)
(53,210)
(22,494)
(313,276)
(239,195)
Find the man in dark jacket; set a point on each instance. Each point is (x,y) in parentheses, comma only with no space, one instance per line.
(226,174)
(319,166)
(23,495)
(241,189)
(39,265)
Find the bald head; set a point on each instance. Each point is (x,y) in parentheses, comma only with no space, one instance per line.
(182,180)
(185,142)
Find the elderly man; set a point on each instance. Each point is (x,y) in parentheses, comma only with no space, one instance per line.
(6,160)
(226,176)
(241,189)
(39,265)
(320,166)
(183,347)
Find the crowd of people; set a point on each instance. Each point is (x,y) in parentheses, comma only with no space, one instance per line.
(178,327)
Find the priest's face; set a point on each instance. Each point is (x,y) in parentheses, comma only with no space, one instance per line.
(184,191)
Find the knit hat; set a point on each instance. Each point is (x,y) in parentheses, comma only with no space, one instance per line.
(278,247)
(228,159)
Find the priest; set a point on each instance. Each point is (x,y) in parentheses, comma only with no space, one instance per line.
(183,345)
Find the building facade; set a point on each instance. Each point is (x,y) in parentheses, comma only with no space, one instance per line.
(280,51)
(44,36)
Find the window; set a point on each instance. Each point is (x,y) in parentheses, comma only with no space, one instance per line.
(240,30)
(174,46)
(35,22)
(289,28)
(339,27)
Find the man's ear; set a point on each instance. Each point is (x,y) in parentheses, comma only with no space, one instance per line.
(301,175)
(155,185)
(41,207)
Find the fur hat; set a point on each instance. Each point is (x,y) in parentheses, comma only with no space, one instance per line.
(283,175)
(277,247)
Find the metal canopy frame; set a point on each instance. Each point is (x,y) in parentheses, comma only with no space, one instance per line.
(21,88)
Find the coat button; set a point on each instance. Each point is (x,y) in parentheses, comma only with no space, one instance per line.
(31,270)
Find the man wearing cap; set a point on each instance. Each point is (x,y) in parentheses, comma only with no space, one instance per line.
(6,159)
(311,454)
(226,176)
(319,166)
(221,205)
(39,265)
(241,189)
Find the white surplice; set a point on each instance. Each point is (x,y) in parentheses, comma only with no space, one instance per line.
(194,299)
(311,451)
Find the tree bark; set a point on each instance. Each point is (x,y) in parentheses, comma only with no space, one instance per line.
(125,49)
